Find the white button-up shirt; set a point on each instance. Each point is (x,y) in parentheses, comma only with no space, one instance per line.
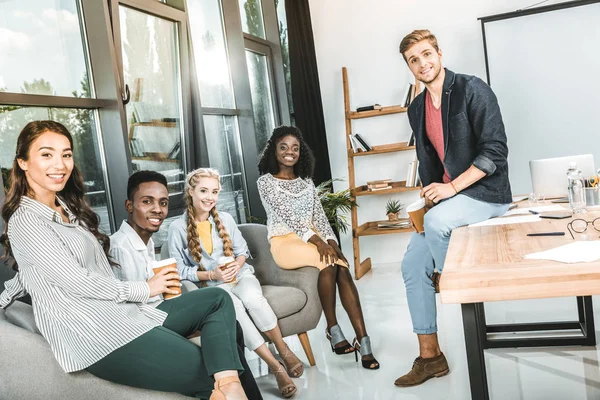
(135,258)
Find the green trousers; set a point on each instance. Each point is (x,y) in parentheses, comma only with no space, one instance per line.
(163,359)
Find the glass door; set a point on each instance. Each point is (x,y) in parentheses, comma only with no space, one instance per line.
(262,88)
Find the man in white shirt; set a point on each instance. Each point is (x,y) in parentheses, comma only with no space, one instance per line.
(132,247)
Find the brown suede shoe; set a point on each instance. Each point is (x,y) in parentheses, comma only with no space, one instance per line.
(424,369)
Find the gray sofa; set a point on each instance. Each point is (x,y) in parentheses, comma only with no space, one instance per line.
(28,370)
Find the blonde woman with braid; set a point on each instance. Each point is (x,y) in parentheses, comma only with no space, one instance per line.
(197,240)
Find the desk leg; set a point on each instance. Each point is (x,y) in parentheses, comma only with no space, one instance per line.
(474,340)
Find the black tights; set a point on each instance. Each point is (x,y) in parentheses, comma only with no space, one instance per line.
(328,278)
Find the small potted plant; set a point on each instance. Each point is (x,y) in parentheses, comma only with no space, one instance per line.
(392,209)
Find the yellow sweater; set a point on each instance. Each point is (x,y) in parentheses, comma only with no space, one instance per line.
(204,229)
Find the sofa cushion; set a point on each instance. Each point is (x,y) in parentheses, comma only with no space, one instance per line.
(285,300)
(21,315)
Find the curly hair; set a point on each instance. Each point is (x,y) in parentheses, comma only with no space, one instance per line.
(192,233)
(268,158)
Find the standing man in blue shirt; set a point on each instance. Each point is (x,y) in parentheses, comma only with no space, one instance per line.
(462,151)
(132,247)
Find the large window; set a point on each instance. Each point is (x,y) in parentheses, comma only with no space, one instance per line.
(42,52)
(41,48)
(136,94)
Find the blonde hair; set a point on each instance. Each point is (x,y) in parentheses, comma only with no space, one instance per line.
(415,37)
(193,239)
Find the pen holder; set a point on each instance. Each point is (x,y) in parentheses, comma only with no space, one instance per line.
(592,196)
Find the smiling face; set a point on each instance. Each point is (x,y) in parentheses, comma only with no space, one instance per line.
(148,209)
(424,61)
(49,164)
(287,150)
(205,194)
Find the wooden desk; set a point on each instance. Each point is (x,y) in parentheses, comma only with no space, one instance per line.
(486,264)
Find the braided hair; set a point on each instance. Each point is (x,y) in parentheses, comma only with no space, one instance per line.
(268,158)
(193,238)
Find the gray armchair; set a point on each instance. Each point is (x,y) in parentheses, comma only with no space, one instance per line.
(291,293)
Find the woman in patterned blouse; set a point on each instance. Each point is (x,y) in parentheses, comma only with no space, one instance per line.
(300,234)
(92,320)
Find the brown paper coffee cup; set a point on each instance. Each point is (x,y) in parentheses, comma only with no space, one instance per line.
(159,266)
(416,214)
(224,264)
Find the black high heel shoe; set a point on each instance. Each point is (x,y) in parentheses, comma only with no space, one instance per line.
(335,336)
(364,348)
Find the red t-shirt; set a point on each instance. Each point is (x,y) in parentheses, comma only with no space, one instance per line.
(435,130)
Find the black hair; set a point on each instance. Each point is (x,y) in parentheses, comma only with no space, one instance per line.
(139,177)
(268,158)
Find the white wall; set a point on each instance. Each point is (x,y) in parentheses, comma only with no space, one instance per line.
(364,37)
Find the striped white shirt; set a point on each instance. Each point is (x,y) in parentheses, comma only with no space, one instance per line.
(80,308)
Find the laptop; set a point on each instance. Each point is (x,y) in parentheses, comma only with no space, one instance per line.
(549,175)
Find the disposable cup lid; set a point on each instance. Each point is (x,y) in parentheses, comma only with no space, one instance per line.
(416,205)
(165,262)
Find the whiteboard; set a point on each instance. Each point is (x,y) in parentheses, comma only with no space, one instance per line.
(545,71)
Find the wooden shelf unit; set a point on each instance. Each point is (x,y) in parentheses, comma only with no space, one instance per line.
(370,228)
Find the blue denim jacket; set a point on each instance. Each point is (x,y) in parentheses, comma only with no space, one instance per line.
(186,266)
(473,135)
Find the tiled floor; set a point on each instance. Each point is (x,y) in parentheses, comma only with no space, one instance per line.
(513,374)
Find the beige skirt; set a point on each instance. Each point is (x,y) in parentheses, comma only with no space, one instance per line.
(290,252)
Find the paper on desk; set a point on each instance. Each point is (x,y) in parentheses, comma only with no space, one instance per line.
(581,251)
(521,219)
(540,209)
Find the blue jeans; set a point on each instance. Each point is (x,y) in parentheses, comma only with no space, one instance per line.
(428,250)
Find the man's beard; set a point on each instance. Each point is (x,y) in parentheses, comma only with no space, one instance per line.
(434,78)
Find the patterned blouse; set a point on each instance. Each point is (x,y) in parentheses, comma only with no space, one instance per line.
(79,306)
(293,206)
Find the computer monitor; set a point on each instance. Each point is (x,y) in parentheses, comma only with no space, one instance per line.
(549,176)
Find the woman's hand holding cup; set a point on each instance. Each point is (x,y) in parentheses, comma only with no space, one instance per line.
(228,269)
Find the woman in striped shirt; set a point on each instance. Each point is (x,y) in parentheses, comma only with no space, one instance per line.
(90,319)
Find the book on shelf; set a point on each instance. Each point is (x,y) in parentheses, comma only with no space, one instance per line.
(401,223)
(418,178)
(411,176)
(379,181)
(352,144)
(411,141)
(356,144)
(362,142)
(408,95)
(373,189)
(369,108)
(381,184)
(378,185)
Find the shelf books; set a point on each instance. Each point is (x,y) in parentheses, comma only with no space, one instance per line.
(369,108)
(401,223)
(362,141)
(411,176)
(359,144)
(408,95)
(382,184)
